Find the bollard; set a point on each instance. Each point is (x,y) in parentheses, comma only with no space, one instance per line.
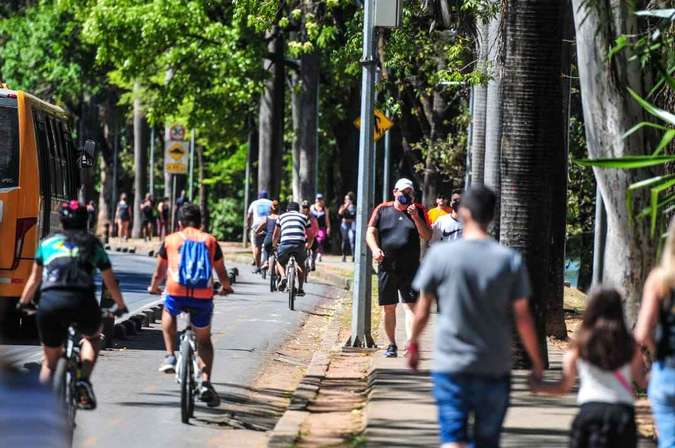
(106,233)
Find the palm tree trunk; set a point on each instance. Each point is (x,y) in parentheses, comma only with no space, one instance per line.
(532,135)
(479,109)
(493,117)
(555,298)
(608,113)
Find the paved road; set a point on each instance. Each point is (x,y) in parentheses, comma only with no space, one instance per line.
(140,407)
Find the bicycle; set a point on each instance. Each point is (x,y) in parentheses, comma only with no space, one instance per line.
(188,373)
(274,276)
(69,368)
(291,272)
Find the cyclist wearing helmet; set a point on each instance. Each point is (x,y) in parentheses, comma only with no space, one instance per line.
(64,268)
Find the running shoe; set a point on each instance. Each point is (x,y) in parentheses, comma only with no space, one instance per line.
(169,364)
(85,395)
(282,285)
(208,395)
(300,293)
(391,351)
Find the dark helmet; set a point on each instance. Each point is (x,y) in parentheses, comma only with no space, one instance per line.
(73,215)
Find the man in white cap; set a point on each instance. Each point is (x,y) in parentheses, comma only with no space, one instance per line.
(394,233)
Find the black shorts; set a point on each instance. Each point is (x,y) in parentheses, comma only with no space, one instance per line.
(604,425)
(391,283)
(59,309)
(286,250)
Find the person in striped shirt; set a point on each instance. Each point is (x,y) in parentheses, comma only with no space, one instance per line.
(291,235)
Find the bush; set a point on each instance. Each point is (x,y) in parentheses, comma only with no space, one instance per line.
(227,218)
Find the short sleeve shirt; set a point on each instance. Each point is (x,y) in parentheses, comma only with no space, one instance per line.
(294,226)
(434,214)
(475,283)
(446,228)
(260,209)
(56,250)
(399,238)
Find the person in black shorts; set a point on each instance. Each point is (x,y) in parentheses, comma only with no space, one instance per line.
(148,215)
(291,234)
(394,233)
(69,260)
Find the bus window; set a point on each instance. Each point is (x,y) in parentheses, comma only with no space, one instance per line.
(73,162)
(9,145)
(54,165)
(61,157)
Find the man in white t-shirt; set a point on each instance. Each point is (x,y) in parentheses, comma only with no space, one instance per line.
(257,214)
(449,227)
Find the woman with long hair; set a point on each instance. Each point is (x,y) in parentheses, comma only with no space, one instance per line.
(655,330)
(607,360)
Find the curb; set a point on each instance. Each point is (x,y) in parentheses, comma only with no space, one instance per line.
(287,430)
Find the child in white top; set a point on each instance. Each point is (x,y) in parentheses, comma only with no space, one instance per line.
(608,361)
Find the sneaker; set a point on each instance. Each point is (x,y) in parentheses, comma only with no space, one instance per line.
(282,285)
(391,351)
(208,395)
(256,271)
(300,293)
(169,364)
(344,258)
(85,395)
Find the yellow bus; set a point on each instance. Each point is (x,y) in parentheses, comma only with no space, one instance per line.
(39,169)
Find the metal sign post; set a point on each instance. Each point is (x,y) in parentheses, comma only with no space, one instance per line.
(361,336)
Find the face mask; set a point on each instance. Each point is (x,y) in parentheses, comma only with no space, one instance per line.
(404,198)
(455,205)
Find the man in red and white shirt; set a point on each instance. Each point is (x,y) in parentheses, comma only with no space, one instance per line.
(394,234)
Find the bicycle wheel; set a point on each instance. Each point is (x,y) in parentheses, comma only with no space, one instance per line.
(290,275)
(64,385)
(273,276)
(186,383)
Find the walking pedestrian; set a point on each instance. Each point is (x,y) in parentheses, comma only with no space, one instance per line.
(481,287)
(449,227)
(442,208)
(608,361)
(148,215)
(180,202)
(322,214)
(123,216)
(347,212)
(257,212)
(163,209)
(91,216)
(393,236)
(658,313)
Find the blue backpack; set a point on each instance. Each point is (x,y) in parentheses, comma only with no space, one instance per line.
(194,270)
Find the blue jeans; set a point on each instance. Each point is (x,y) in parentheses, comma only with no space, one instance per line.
(661,393)
(459,395)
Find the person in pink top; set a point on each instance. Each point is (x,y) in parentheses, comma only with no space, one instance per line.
(312,232)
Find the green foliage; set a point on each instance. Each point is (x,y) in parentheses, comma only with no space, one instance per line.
(226,219)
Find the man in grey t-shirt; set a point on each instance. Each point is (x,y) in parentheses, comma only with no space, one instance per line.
(477,283)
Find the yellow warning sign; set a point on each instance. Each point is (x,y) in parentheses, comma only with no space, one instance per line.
(176,157)
(382,124)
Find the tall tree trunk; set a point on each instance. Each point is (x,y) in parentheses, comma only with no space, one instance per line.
(493,116)
(203,188)
(271,117)
(105,206)
(479,109)
(140,163)
(532,135)
(555,314)
(608,113)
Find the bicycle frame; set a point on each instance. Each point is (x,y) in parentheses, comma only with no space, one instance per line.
(188,348)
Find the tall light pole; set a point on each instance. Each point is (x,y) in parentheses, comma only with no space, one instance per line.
(361,298)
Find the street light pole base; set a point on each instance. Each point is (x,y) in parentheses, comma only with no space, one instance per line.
(361,341)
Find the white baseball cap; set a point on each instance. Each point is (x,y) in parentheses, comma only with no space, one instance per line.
(403,183)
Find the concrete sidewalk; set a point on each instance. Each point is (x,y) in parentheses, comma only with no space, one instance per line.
(401,411)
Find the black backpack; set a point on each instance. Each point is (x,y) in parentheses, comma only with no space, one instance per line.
(68,272)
